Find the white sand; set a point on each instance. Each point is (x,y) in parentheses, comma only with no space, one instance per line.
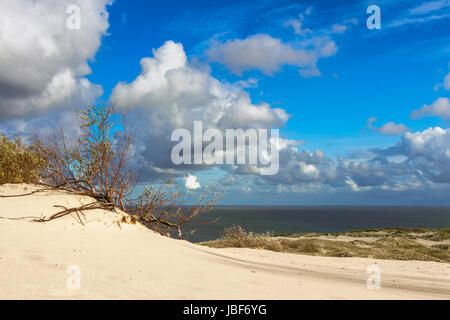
(132,262)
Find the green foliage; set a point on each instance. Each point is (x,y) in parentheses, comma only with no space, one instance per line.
(19,163)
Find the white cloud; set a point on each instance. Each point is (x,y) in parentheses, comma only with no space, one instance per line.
(440,108)
(429,142)
(339,28)
(297,26)
(191,182)
(352,184)
(430,6)
(418,20)
(229,180)
(389,128)
(429,151)
(427,155)
(426,12)
(326,48)
(310,72)
(249,83)
(267,54)
(171,93)
(42,62)
(446,83)
(309,171)
(418,159)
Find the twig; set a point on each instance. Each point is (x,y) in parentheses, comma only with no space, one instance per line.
(26,194)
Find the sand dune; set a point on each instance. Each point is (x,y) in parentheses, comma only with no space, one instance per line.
(125,261)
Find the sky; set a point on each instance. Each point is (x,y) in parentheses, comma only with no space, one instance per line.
(363,112)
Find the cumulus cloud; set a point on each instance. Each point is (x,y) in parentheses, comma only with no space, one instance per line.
(389,128)
(445,84)
(424,158)
(427,152)
(440,108)
(419,159)
(297,24)
(298,167)
(171,93)
(267,54)
(42,61)
(191,182)
(249,83)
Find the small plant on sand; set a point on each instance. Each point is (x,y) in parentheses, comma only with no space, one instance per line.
(237,237)
(19,163)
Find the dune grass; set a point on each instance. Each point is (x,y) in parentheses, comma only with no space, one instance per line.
(237,237)
(391,244)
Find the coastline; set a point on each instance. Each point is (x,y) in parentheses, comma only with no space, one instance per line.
(316,219)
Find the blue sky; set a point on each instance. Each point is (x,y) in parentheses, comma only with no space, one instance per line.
(355,74)
(383,73)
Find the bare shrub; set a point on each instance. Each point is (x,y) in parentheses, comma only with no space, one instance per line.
(96,164)
(160,209)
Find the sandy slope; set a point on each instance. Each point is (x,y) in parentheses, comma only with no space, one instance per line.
(131,262)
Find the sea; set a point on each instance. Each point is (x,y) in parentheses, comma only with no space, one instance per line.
(324,219)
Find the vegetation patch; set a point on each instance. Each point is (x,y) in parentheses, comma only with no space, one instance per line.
(19,163)
(96,162)
(390,244)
